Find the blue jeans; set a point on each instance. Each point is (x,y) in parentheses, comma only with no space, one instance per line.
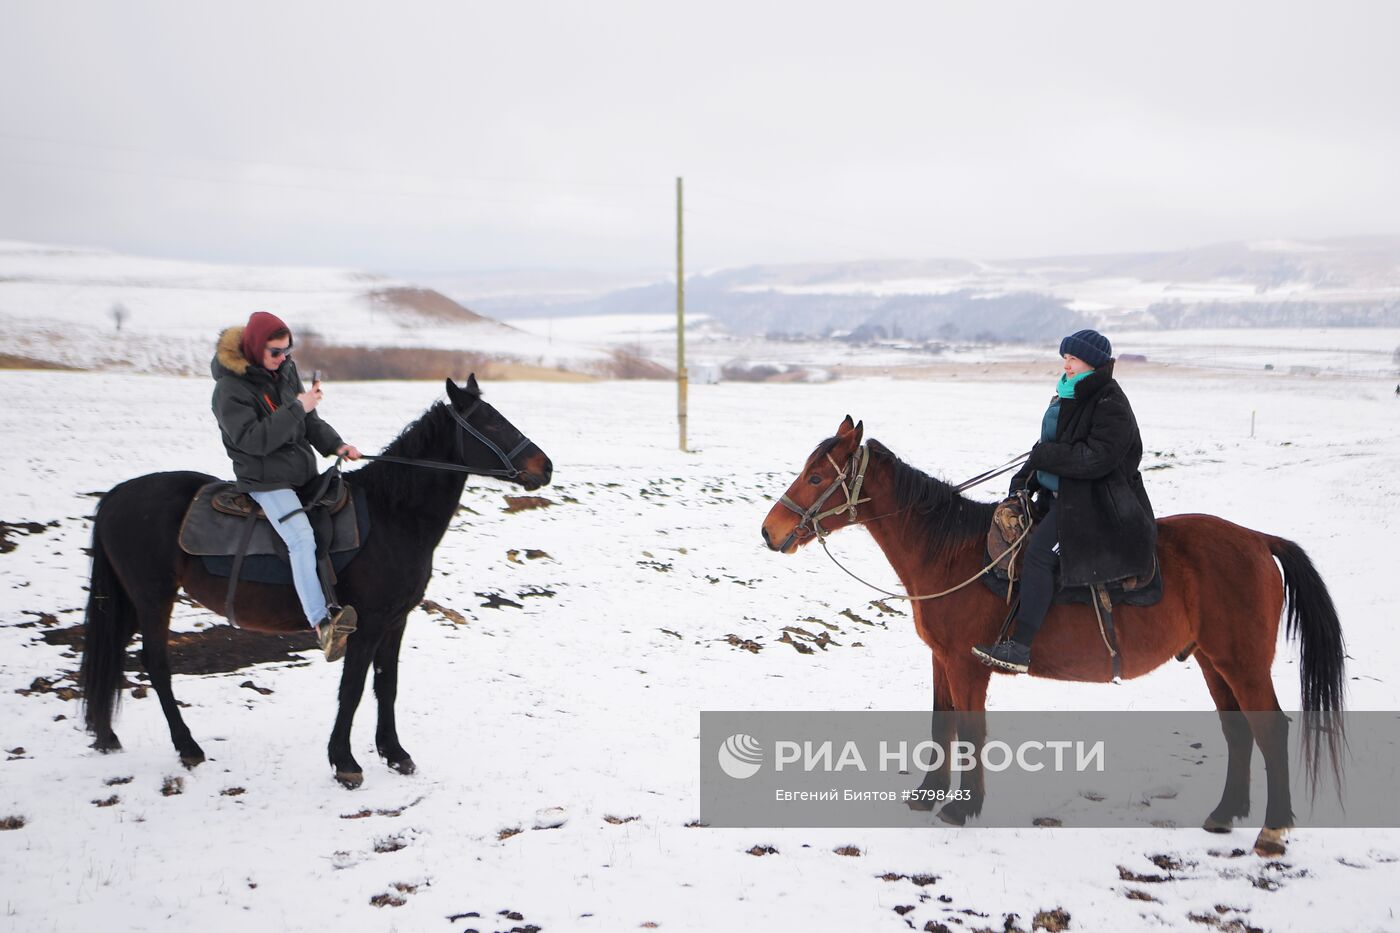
(301,547)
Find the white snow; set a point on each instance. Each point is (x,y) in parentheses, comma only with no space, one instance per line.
(56,304)
(579,706)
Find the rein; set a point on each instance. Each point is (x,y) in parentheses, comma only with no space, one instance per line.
(813,514)
(509,472)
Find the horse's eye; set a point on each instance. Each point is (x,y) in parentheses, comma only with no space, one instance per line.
(815,479)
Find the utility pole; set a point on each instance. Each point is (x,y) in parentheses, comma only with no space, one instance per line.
(682,379)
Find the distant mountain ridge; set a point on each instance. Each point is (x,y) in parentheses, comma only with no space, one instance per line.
(1348,282)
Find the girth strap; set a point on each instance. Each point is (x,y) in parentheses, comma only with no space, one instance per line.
(1103,611)
(249,524)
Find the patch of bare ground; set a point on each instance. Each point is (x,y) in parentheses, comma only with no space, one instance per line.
(451,615)
(1219,921)
(11,361)
(11,822)
(748,644)
(425,302)
(217,649)
(508,370)
(1052,921)
(25,528)
(523,503)
(619,820)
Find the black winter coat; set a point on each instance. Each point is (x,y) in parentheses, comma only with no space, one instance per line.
(267,434)
(1107,529)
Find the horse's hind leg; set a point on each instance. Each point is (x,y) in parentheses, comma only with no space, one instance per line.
(386,687)
(155,657)
(1254,690)
(1234,800)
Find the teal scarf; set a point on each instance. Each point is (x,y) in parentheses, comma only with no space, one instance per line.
(1065,387)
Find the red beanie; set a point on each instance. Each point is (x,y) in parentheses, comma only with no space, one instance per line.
(261,325)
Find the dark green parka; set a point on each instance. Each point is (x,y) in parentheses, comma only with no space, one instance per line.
(1107,529)
(267,434)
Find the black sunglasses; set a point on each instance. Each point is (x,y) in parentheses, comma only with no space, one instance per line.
(278,352)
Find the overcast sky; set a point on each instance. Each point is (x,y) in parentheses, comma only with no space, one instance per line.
(464,136)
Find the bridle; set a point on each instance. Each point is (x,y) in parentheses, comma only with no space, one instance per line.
(811,517)
(509,470)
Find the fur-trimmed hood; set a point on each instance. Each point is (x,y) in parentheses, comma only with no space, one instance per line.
(228,354)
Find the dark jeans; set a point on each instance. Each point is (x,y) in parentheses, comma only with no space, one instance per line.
(1038,575)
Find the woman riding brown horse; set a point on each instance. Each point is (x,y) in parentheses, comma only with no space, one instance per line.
(1222,600)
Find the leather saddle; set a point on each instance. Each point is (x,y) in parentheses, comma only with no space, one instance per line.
(215,524)
(1010,523)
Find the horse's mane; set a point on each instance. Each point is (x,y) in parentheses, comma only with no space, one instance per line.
(932,510)
(424,439)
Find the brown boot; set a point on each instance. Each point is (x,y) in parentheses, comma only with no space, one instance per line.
(334,630)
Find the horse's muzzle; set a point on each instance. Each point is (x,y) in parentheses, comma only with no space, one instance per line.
(537,472)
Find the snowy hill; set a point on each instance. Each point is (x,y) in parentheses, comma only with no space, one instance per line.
(57,306)
(1352,282)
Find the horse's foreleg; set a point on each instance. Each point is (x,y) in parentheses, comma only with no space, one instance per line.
(155,632)
(1234,800)
(386,686)
(933,789)
(968,687)
(358,654)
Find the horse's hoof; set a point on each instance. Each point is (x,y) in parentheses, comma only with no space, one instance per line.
(108,745)
(404,766)
(919,803)
(1212,825)
(350,779)
(952,816)
(1271,842)
(192,761)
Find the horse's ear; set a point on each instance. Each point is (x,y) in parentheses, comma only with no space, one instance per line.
(860,432)
(846,426)
(472,387)
(454,394)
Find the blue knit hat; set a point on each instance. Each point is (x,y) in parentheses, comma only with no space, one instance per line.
(1089,345)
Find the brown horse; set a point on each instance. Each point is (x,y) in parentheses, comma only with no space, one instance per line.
(1222,600)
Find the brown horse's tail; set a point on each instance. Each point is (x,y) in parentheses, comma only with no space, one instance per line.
(1312,621)
(111,623)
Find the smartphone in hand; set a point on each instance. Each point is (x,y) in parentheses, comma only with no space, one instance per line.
(315,377)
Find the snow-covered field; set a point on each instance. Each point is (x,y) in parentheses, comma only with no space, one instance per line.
(579,710)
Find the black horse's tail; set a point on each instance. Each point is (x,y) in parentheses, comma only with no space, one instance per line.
(111,623)
(1312,621)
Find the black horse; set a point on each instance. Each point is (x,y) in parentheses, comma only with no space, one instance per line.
(138,567)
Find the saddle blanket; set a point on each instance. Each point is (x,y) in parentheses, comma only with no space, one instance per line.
(213,536)
(1149,594)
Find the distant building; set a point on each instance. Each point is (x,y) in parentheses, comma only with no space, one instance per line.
(705,374)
